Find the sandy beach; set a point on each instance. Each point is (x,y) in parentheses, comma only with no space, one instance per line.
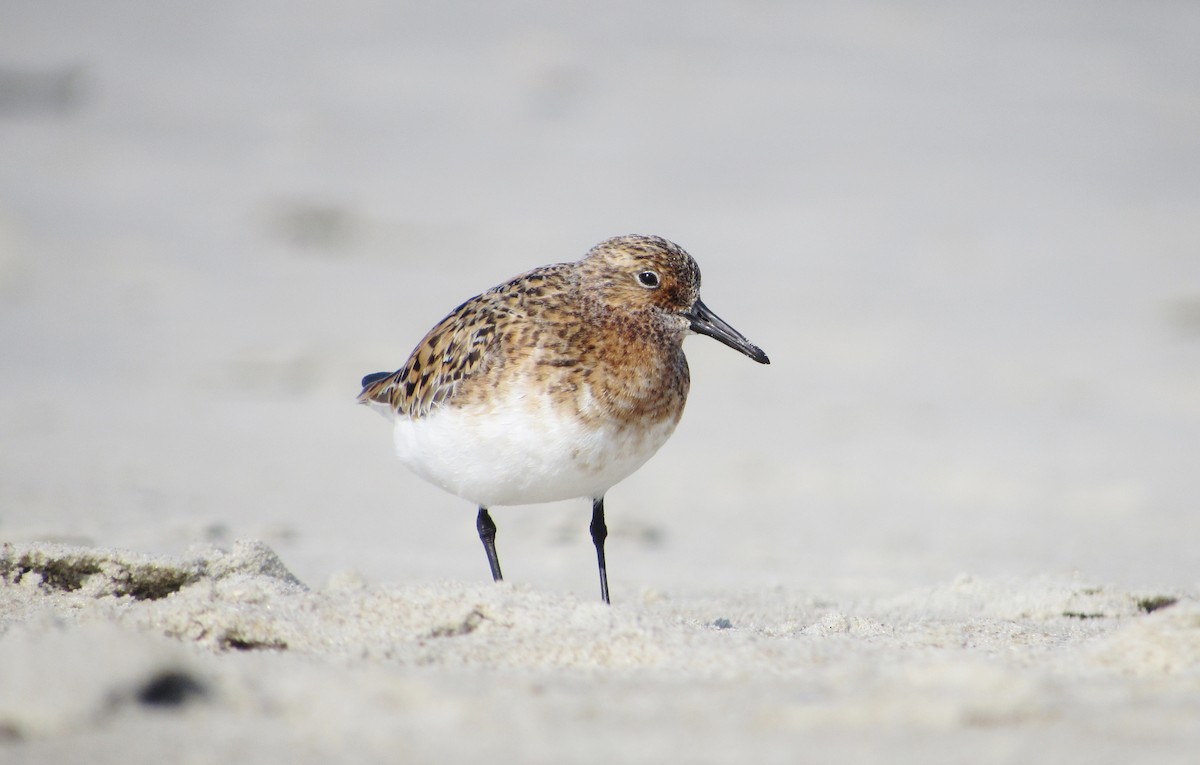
(955,519)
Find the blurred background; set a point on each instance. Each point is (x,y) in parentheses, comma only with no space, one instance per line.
(968,237)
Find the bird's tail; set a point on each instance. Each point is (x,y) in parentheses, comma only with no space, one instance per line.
(377,391)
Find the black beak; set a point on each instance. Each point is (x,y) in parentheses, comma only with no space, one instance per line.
(708,323)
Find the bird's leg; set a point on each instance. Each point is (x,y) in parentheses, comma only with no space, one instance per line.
(599,532)
(487,534)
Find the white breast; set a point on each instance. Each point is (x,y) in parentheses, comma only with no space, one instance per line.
(523,451)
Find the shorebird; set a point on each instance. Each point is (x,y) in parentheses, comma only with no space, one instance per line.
(556,384)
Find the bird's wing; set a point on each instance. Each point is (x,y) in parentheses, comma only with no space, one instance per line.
(462,346)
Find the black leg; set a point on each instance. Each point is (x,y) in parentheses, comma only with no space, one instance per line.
(599,532)
(487,534)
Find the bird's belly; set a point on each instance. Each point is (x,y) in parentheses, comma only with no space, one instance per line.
(525,452)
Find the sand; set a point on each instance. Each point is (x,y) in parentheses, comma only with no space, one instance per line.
(123,657)
(954,520)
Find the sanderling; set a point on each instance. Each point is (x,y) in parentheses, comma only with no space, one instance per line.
(557,384)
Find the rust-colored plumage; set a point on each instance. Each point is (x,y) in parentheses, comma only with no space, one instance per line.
(578,330)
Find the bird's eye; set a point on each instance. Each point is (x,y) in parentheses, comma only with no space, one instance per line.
(648,279)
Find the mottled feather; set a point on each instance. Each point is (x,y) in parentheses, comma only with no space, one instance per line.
(466,344)
(556,326)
